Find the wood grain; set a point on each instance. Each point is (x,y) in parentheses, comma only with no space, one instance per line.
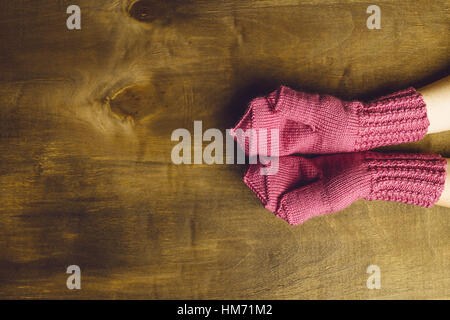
(86,176)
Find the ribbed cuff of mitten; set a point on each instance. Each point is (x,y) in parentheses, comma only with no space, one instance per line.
(393,119)
(416,179)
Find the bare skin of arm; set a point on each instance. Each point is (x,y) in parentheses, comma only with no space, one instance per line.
(437,98)
(444,200)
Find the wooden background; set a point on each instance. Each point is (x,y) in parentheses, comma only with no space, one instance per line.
(86,176)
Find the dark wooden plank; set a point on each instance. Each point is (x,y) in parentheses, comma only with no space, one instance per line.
(86,176)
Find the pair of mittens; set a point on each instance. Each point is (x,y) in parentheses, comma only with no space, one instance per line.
(307,123)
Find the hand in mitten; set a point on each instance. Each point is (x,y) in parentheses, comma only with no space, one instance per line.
(303,188)
(317,124)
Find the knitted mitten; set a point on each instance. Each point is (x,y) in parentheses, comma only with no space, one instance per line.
(313,123)
(303,188)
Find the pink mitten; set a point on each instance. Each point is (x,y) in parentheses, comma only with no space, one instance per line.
(303,188)
(313,123)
